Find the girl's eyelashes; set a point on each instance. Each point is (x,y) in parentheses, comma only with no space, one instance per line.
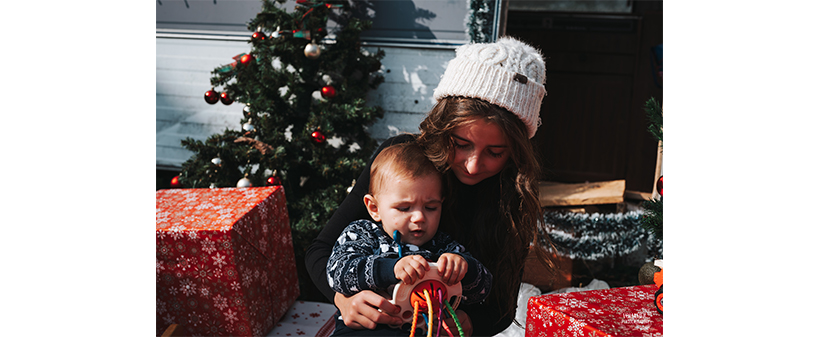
(496,155)
(459,143)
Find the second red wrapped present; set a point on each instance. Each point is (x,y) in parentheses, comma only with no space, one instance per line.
(617,312)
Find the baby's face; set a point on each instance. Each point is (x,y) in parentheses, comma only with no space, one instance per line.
(411,206)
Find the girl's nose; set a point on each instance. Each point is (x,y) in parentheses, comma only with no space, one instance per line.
(471,164)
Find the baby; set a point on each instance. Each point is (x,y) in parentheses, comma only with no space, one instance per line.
(405,200)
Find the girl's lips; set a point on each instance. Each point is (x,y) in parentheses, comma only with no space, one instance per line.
(417,233)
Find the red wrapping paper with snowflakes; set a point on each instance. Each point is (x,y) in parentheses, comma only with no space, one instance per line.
(225,263)
(617,312)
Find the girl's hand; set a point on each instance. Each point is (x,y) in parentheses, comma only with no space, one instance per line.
(366,309)
(451,268)
(411,268)
(463,320)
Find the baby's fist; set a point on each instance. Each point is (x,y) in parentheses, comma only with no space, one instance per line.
(411,268)
(451,268)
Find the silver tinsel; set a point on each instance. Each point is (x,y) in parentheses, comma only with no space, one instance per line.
(596,236)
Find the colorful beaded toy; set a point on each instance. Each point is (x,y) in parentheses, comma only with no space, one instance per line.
(428,294)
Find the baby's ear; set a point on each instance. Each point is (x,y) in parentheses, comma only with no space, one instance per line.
(372,207)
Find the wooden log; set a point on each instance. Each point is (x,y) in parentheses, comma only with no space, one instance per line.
(602,192)
(637,195)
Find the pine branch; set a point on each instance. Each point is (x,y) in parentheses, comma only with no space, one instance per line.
(654,114)
(652,219)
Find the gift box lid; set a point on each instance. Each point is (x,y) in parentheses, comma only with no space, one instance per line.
(220,209)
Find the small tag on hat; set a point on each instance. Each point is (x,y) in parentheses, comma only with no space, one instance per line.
(520,78)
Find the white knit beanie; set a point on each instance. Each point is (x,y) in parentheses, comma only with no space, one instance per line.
(508,73)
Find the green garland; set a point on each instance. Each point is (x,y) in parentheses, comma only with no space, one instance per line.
(479,20)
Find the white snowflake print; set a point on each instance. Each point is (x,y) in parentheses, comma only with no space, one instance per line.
(235,286)
(572,303)
(412,247)
(263,244)
(220,302)
(230,316)
(183,263)
(576,328)
(168,319)
(176,231)
(265,279)
(187,287)
(192,235)
(246,280)
(384,247)
(204,291)
(161,307)
(219,260)
(208,246)
(641,295)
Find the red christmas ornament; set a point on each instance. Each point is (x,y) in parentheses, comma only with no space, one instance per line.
(211,96)
(225,98)
(274,181)
(175,182)
(660,185)
(318,137)
(245,59)
(328,91)
(258,36)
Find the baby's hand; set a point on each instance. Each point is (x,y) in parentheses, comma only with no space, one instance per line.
(451,268)
(411,268)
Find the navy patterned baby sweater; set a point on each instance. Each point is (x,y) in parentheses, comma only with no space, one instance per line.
(364,256)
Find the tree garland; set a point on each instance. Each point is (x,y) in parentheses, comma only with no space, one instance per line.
(596,236)
(479,20)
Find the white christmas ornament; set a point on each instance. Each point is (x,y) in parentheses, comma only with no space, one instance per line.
(312,51)
(244,182)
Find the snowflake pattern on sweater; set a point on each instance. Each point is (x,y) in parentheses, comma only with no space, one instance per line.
(364,255)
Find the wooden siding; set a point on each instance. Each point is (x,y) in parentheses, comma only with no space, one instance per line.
(183,75)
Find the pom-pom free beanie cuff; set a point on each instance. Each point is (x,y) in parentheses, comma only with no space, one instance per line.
(507,73)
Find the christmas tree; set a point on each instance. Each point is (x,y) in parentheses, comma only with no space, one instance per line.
(305,119)
(653,217)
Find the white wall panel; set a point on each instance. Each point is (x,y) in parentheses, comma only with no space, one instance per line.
(183,75)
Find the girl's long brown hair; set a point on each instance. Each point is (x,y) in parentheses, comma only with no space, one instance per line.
(507,220)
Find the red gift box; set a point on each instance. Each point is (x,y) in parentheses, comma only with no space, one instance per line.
(225,263)
(621,312)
